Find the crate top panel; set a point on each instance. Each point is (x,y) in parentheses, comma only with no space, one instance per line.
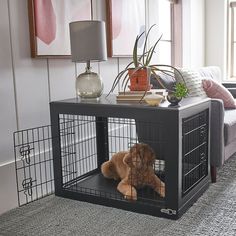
(111,107)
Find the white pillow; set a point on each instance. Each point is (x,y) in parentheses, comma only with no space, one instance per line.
(193,82)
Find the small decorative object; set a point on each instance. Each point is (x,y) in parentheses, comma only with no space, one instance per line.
(176,95)
(139,70)
(134,169)
(153,99)
(172,99)
(88,43)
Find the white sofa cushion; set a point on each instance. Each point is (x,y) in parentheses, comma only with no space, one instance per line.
(212,72)
(193,81)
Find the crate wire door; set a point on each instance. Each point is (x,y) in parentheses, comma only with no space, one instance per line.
(33,163)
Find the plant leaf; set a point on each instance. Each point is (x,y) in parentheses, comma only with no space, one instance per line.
(153,49)
(175,69)
(118,78)
(143,55)
(180,90)
(166,72)
(135,50)
(148,55)
(145,43)
(125,78)
(157,78)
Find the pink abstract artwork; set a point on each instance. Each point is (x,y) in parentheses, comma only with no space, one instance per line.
(51,25)
(46,21)
(127,20)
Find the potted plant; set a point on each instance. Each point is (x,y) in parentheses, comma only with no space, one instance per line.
(139,64)
(179,91)
(139,70)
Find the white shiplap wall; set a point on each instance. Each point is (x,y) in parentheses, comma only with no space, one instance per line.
(28,85)
(30,75)
(7,115)
(7,97)
(37,81)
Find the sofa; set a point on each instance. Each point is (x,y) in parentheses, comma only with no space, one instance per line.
(223,121)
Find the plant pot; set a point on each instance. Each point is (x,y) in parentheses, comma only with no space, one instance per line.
(139,79)
(172,99)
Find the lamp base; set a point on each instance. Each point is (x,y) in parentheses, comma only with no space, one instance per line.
(89,85)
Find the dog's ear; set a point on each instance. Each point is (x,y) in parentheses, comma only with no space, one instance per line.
(128,159)
(149,155)
(151,158)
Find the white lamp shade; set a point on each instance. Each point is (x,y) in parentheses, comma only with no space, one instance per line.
(88,41)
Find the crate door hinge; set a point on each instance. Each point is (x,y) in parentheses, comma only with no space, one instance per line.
(168,211)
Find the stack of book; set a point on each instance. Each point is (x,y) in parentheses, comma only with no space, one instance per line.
(131,96)
(136,96)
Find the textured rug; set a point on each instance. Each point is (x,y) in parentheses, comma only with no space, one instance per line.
(213,214)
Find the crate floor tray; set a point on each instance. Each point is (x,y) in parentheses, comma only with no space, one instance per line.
(98,185)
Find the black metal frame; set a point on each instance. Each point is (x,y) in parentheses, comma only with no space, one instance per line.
(171,119)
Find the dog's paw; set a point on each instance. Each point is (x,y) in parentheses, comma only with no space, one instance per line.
(131,195)
(162,191)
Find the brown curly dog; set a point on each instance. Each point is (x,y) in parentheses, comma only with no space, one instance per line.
(135,170)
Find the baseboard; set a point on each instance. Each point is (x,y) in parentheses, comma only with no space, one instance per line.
(8,190)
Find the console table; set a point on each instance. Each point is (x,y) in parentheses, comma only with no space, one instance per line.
(87,133)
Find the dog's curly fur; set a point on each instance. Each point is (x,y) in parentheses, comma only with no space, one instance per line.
(135,170)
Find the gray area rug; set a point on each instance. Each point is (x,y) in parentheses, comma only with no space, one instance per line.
(213,214)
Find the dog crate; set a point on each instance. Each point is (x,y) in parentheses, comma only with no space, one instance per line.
(87,133)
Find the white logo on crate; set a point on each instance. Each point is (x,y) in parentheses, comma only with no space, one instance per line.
(168,211)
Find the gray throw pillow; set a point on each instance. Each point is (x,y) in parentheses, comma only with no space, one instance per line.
(165,79)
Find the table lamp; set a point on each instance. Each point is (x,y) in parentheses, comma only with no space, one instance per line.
(88,43)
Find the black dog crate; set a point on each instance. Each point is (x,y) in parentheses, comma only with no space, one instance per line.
(86,133)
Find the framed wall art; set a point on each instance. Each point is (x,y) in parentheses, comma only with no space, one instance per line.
(49,25)
(125,20)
